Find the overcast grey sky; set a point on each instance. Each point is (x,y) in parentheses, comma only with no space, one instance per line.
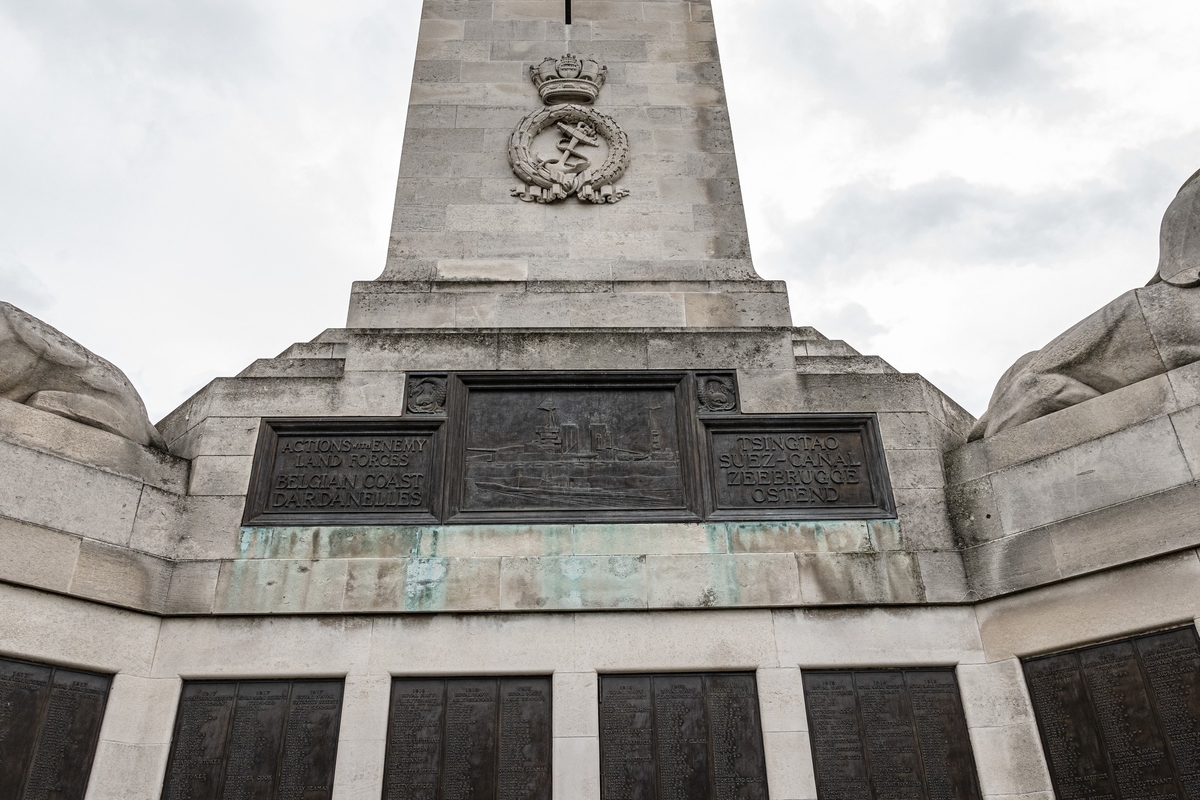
(188,186)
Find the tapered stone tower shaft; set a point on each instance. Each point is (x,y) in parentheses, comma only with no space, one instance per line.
(469,245)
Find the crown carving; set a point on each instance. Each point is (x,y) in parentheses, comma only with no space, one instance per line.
(568,79)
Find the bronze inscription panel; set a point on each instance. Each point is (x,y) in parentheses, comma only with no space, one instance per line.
(1122,719)
(265,740)
(822,467)
(564,449)
(889,735)
(334,471)
(469,739)
(49,726)
(671,737)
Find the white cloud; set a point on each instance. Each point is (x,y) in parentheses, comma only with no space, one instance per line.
(977,175)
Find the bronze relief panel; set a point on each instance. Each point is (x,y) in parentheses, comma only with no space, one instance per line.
(566,447)
(496,447)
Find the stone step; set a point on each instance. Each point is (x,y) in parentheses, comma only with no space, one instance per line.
(823,347)
(319,350)
(806,334)
(295,368)
(842,365)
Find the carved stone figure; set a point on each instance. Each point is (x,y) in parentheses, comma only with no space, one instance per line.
(42,368)
(1143,333)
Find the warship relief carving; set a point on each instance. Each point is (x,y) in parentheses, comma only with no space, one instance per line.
(573,449)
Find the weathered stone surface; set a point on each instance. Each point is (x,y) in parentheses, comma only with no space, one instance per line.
(575,712)
(67,496)
(41,367)
(474,644)
(1091,476)
(65,630)
(123,771)
(789,765)
(669,642)
(574,582)
(1011,563)
(994,694)
(140,710)
(860,578)
(577,768)
(897,637)
(37,556)
(29,427)
(121,577)
(193,587)
(781,700)
(945,577)
(1009,761)
(734,580)
(262,647)
(1106,605)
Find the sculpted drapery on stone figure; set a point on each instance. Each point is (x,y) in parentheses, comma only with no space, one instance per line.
(1143,333)
(43,368)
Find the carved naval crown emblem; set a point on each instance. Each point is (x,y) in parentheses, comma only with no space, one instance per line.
(584,152)
(569,79)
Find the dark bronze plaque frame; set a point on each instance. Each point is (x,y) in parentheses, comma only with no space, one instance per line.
(283,753)
(720,749)
(49,733)
(905,748)
(776,426)
(272,429)
(1154,749)
(613,452)
(476,751)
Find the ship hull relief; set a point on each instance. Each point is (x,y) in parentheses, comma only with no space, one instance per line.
(565,449)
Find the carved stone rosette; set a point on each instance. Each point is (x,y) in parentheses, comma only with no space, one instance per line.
(582,129)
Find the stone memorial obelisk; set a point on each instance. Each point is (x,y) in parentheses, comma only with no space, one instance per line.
(570,509)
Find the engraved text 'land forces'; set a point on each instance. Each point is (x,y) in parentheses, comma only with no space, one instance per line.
(581,137)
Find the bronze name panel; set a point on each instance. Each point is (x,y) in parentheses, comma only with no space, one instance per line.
(1122,720)
(664,737)
(344,471)
(49,727)
(800,467)
(263,740)
(469,739)
(889,735)
(495,447)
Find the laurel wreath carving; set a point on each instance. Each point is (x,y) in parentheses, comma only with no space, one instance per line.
(589,185)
